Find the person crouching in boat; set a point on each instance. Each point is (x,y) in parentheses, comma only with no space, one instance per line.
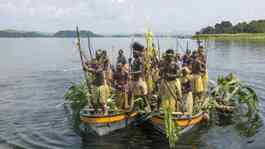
(99,89)
(170,87)
(121,78)
(187,90)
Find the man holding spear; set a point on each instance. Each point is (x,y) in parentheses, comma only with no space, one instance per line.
(95,79)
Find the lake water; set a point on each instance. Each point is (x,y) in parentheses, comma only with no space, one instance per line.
(35,73)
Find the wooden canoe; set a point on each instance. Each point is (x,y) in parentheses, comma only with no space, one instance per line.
(105,124)
(185,122)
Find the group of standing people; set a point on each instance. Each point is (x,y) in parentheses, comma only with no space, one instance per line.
(173,81)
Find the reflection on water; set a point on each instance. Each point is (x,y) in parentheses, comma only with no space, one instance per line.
(35,73)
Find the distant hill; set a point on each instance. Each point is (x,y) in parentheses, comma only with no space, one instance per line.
(15,33)
(72,34)
(32,34)
(69,33)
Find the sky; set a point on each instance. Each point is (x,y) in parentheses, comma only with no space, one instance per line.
(125,16)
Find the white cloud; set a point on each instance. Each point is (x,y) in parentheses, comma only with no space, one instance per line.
(117,1)
(124,15)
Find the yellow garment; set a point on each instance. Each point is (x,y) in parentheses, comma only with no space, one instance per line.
(205,81)
(100,94)
(188,99)
(139,87)
(122,100)
(197,83)
(167,88)
(186,78)
(104,93)
(171,104)
(179,91)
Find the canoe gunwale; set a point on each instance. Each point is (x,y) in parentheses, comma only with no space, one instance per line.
(90,119)
(183,118)
(182,122)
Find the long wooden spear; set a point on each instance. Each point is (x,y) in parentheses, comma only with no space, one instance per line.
(80,53)
(158,48)
(187,46)
(89,47)
(79,45)
(177,45)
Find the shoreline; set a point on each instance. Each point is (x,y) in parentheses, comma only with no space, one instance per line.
(238,36)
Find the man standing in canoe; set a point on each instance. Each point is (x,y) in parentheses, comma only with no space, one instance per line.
(170,87)
(187,59)
(120,80)
(138,89)
(121,58)
(138,86)
(197,82)
(204,73)
(99,89)
(186,86)
(106,66)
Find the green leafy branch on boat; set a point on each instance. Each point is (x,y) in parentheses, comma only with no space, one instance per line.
(172,131)
(77,96)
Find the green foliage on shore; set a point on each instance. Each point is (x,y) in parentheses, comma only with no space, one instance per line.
(238,36)
(226,27)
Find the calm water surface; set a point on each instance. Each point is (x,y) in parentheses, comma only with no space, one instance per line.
(35,73)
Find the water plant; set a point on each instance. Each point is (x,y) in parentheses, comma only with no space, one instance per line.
(239,101)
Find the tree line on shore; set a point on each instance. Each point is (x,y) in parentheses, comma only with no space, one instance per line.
(226,27)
